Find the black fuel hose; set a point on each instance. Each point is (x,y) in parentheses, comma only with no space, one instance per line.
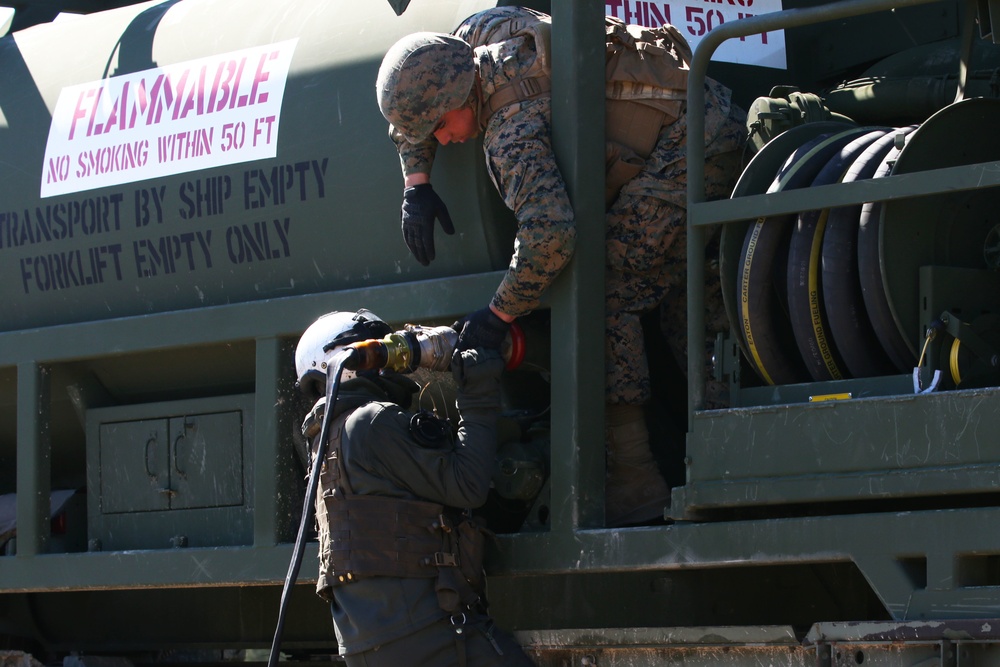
(339,361)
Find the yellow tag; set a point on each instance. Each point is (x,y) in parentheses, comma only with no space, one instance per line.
(830,397)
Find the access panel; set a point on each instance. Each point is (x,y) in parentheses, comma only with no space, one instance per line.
(170,474)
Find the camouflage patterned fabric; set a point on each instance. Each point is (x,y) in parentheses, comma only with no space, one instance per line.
(646,237)
(423,76)
(647,246)
(522,164)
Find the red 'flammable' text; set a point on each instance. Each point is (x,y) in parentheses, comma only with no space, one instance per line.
(175,95)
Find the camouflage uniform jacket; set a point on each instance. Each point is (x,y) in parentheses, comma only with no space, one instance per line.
(520,160)
(382,458)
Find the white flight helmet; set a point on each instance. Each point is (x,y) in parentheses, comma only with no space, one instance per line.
(320,341)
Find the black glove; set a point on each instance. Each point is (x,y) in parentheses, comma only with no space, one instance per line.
(481,329)
(421,205)
(477,374)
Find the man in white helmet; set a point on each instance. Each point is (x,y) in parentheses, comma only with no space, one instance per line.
(400,561)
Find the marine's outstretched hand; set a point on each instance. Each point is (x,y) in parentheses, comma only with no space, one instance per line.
(421,206)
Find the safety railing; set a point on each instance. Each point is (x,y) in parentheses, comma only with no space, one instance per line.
(702,214)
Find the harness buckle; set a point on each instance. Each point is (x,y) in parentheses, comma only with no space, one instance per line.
(444,559)
(531,86)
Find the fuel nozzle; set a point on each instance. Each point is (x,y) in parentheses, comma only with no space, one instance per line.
(416,346)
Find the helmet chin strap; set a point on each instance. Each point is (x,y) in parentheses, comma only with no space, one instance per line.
(476,100)
(333,377)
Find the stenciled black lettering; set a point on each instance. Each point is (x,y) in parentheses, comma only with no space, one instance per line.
(205,197)
(72,268)
(304,180)
(259,241)
(171,253)
(59,221)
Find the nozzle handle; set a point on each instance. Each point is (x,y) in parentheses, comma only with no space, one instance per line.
(367,355)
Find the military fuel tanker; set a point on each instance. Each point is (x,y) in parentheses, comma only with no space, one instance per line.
(186,185)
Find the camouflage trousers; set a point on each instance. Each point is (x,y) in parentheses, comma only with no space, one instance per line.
(647,246)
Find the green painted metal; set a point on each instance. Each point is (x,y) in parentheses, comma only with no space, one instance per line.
(900,186)
(178,473)
(873,449)
(834,452)
(577,316)
(34,457)
(271,479)
(303,222)
(792,514)
(699,212)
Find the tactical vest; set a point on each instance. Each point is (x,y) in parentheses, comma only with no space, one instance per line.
(646,73)
(363,536)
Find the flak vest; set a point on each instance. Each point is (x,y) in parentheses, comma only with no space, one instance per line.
(363,536)
(646,75)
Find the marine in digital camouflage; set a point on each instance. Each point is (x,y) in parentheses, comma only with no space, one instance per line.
(646,232)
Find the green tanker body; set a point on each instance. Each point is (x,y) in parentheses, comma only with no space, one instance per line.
(186,185)
(174,157)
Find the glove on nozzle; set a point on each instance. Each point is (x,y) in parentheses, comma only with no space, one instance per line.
(481,328)
(473,369)
(421,206)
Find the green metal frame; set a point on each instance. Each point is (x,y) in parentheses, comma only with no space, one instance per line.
(702,214)
(574,543)
(578,374)
(577,489)
(577,410)
(268,324)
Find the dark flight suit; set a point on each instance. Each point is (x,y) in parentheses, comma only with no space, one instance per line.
(399,620)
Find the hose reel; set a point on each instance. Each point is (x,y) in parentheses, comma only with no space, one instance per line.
(845,292)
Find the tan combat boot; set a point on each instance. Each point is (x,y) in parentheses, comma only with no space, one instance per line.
(635,491)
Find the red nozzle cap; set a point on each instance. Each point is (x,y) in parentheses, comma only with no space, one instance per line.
(517,346)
